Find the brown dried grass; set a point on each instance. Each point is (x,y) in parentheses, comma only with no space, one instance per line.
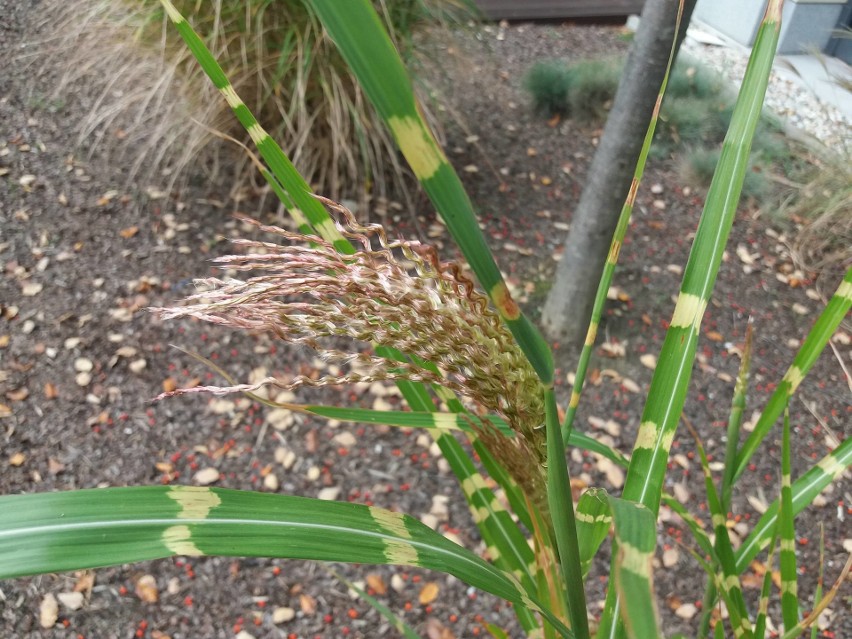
(154,111)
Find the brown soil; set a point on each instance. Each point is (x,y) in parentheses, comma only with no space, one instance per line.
(100,250)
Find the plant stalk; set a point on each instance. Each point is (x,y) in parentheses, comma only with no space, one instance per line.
(564,523)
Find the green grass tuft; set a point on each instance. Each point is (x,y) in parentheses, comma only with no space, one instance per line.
(584,91)
(593,88)
(549,84)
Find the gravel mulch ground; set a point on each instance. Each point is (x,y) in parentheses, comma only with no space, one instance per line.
(80,359)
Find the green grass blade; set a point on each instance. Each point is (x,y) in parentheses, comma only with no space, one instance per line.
(406,419)
(593,524)
(636,536)
(501,534)
(506,545)
(787,534)
(286,175)
(765,590)
(836,309)
(564,524)
(726,482)
(615,247)
(364,44)
(669,384)
(701,537)
(804,491)
(396,622)
(551,585)
(821,577)
(812,618)
(513,492)
(735,420)
(727,580)
(445,421)
(61,531)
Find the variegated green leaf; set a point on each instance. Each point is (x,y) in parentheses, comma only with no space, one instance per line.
(787,536)
(305,207)
(61,531)
(446,421)
(836,309)
(506,543)
(765,591)
(804,491)
(369,52)
(593,524)
(669,385)
(727,577)
(615,248)
(636,537)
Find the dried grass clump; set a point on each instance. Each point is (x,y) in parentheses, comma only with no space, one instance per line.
(822,203)
(155,112)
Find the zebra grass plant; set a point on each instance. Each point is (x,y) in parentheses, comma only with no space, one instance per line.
(464,361)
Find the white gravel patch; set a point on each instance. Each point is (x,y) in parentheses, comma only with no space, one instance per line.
(787,95)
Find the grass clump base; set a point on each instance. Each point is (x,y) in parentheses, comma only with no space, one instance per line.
(157,114)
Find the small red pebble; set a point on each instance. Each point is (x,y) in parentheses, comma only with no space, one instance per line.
(276,570)
(187,601)
(353,614)
(327,619)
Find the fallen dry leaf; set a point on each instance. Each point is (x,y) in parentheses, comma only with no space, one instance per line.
(308,604)
(71,600)
(377,583)
(649,361)
(630,385)
(129,232)
(428,593)
(54,466)
(282,614)
(670,557)
(686,611)
(30,289)
(146,589)
(19,394)
(50,391)
(17,459)
(437,630)
(613,349)
(169,384)
(206,476)
(48,611)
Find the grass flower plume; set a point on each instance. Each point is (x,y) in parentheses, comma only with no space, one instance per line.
(396,293)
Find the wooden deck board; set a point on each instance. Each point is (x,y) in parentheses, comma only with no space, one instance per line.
(556,9)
